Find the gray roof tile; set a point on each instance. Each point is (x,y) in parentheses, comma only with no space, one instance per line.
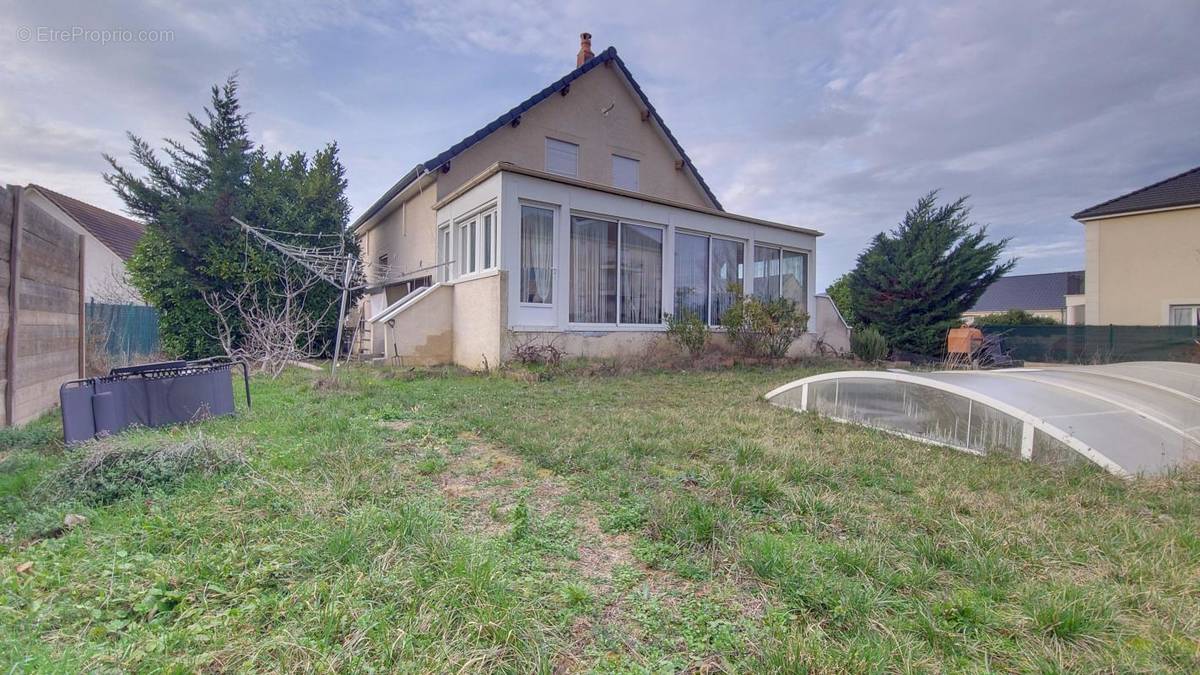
(1180,190)
(1030,292)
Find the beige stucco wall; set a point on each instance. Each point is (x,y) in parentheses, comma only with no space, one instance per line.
(423,334)
(407,234)
(479,321)
(1139,265)
(579,118)
(827,325)
(626,343)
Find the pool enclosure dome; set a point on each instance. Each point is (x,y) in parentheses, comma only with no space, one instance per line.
(1133,419)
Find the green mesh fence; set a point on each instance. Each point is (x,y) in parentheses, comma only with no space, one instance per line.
(1099,344)
(132,330)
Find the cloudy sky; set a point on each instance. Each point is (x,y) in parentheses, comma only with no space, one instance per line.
(833,115)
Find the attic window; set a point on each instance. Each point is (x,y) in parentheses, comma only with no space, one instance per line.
(625,173)
(562,158)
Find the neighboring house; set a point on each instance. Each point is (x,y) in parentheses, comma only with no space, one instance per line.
(1143,255)
(1043,295)
(108,242)
(576,216)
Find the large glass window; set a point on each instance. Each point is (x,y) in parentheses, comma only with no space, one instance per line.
(766,272)
(616,272)
(691,275)
(593,270)
(641,274)
(780,273)
(726,275)
(708,275)
(537,255)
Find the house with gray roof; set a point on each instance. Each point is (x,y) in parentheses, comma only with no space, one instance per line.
(1044,295)
(1142,255)
(576,217)
(109,240)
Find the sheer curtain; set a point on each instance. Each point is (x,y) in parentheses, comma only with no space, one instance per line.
(691,275)
(641,274)
(727,274)
(537,255)
(593,271)
(795,275)
(766,272)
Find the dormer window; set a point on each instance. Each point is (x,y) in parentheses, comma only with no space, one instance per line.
(562,158)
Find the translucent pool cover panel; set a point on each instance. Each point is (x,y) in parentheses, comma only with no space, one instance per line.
(1132,419)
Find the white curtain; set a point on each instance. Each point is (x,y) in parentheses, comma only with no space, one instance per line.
(727,274)
(641,274)
(691,275)
(593,271)
(537,255)
(795,275)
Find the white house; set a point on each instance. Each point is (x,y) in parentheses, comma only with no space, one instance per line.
(575,215)
(109,240)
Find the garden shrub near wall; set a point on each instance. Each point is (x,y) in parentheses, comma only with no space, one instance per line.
(764,327)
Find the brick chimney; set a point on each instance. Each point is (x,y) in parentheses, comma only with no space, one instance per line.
(585,49)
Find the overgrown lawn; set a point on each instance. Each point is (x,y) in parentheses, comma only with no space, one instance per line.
(440,521)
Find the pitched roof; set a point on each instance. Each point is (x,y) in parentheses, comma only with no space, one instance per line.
(118,233)
(1180,190)
(440,159)
(1030,292)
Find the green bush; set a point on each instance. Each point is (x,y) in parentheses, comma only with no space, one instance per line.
(1014,317)
(869,345)
(764,327)
(688,331)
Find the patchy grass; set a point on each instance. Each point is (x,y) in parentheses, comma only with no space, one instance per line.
(441,521)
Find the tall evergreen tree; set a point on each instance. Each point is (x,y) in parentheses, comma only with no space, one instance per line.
(914,283)
(191,244)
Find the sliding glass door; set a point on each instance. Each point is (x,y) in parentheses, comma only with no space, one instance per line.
(616,272)
(780,273)
(593,270)
(727,274)
(691,275)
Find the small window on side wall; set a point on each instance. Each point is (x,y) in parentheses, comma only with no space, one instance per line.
(562,158)
(625,173)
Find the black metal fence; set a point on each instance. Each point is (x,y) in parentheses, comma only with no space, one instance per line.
(1099,344)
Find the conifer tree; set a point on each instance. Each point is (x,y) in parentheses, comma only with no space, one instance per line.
(186,200)
(914,283)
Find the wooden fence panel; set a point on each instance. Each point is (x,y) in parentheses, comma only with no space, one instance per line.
(43,300)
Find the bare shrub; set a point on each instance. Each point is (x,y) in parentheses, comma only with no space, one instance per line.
(534,349)
(109,469)
(267,327)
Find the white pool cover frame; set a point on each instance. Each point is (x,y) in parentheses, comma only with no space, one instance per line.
(1140,418)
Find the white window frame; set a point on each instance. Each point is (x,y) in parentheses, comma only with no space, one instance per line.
(555,210)
(637,178)
(620,231)
(708,266)
(550,142)
(781,249)
(445,242)
(467,264)
(1195,307)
